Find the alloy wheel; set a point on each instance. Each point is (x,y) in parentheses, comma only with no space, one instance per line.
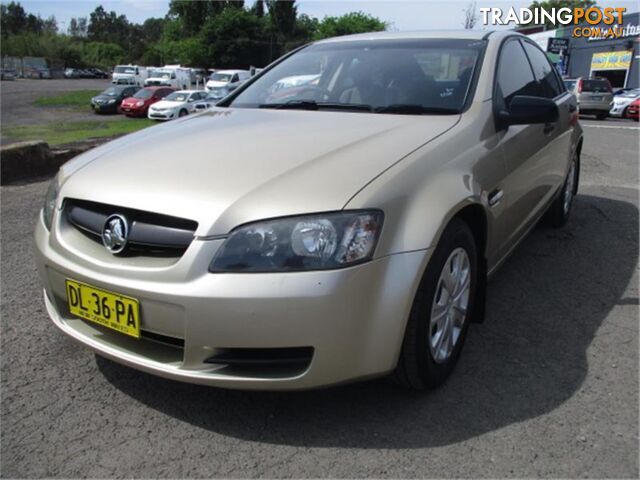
(450,304)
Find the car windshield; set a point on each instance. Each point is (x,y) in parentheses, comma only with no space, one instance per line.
(143,94)
(221,77)
(177,97)
(570,84)
(631,93)
(389,76)
(595,86)
(160,74)
(124,70)
(111,92)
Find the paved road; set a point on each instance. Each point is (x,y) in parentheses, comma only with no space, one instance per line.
(547,386)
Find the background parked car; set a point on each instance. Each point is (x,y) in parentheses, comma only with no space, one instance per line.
(177,104)
(71,73)
(225,81)
(109,101)
(138,105)
(97,73)
(198,75)
(633,110)
(209,101)
(7,74)
(622,101)
(595,95)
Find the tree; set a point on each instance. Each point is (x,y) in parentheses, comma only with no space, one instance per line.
(108,27)
(258,9)
(234,38)
(78,27)
(13,19)
(549,4)
(282,17)
(470,16)
(354,22)
(50,25)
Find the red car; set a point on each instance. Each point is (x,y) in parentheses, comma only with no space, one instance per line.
(138,105)
(633,110)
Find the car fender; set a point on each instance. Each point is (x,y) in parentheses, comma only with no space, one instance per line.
(424,191)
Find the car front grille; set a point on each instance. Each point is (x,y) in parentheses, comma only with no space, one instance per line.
(150,234)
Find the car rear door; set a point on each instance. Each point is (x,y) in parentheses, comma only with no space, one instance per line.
(533,153)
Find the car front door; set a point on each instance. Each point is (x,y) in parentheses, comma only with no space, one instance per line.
(530,151)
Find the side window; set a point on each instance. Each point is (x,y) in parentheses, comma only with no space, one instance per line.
(234,79)
(544,72)
(514,73)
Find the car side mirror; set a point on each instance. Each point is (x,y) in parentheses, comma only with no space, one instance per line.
(525,110)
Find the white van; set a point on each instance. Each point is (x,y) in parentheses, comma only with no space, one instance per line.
(129,75)
(169,76)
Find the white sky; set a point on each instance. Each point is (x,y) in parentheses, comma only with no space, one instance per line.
(401,14)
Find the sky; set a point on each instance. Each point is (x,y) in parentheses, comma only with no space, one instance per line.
(402,15)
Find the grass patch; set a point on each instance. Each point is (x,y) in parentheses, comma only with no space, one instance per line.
(78,99)
(61,133)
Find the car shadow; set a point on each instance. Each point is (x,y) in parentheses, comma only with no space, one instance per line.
(544,308)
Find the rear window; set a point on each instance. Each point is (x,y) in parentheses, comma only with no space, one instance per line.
(595,86)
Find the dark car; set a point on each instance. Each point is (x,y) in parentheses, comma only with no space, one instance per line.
(138,105)
(97,73)
(109,101)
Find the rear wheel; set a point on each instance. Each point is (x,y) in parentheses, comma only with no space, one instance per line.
(441,311)
(560,209)
(601,116)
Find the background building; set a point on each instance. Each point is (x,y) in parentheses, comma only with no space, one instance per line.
(615,58)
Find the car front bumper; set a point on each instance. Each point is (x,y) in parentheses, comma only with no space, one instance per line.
(105,108)
(351,320)
(164,115)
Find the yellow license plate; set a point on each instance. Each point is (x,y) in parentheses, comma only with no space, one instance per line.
(108,309)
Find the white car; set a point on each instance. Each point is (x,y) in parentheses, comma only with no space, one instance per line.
(224,81)
(177,104)
(622,101)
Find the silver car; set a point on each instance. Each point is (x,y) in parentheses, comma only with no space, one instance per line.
(595,96)
(345,233)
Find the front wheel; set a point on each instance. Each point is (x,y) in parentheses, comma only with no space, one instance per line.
(183,113)
(441,311)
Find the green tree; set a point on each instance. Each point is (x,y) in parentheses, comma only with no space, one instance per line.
(108,27)
(355,22)
(549,4)
(13,19)
(234,38)
(282,17)
(258,8)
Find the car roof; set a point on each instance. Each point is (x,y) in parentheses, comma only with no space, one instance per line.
(188,91)
(230,71)
(419,34)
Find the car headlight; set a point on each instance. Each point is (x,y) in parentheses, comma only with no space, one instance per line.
(111,101)
(139,104)
(50,202)
(309,242)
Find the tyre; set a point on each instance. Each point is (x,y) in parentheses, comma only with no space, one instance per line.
(559,211)
(182,113)
(441,311)
(601,116)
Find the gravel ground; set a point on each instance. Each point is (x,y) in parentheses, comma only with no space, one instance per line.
(17,99)
(547,386)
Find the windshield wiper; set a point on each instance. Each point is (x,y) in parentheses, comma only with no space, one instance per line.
(415,109)
(313,105)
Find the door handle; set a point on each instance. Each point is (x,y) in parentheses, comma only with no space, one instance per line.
(548,128)
(495,197)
